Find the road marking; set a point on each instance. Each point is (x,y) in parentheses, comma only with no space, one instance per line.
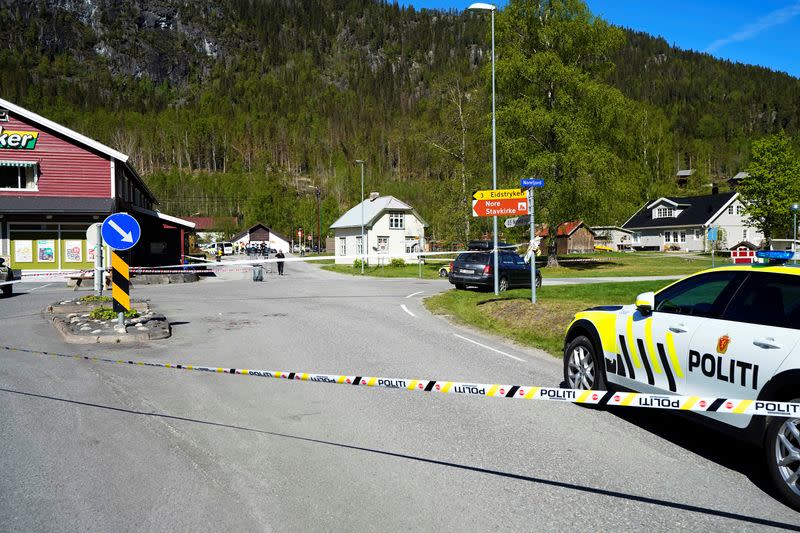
(414,294)
(39,287)
(489,348)
(407,311)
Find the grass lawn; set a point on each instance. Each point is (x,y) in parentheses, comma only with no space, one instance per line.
(601,264)
(543,325)
(631,264)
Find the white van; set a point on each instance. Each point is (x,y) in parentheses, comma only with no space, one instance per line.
(226,247)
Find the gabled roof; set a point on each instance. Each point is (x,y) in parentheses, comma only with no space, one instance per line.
(564,229)
(211,223)
(63,130)
(373,209)
(598,229)
(665,200)
(699,211)
(685,173)
(254,227)
(739,176)
(162,216)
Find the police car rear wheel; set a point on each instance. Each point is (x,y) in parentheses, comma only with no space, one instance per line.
(783,457)
(581,365)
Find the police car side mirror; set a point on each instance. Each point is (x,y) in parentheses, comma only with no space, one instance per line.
(645,302)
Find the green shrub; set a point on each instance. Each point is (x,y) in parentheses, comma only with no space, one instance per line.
(91,298)
(357,263)
(398,262)
(106,313)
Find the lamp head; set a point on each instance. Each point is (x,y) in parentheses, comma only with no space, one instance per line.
(360,161)
(795,207)
(480,6)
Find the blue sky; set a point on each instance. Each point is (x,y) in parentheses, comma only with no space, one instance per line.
(759,32)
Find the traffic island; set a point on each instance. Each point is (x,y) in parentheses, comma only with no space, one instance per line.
(90,320)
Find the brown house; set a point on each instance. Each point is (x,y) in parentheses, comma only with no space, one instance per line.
(571,238)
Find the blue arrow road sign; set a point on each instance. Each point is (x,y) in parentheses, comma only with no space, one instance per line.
(121,231)
(528,183)
(712,234)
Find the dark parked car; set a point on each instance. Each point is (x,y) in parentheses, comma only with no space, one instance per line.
(475,269)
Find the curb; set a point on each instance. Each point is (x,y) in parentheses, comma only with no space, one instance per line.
(63,328)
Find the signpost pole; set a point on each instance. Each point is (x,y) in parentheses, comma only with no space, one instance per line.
(533,252)
(98,263)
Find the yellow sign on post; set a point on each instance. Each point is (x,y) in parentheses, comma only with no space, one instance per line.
(500,194)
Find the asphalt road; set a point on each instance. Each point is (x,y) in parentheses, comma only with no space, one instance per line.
(97,446)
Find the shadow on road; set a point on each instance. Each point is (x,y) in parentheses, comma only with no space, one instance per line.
(508,475)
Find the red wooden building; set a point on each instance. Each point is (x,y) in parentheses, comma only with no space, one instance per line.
(55,182)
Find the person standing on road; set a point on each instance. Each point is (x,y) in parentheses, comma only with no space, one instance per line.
(280,255)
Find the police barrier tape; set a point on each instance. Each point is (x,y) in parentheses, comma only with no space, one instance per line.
(517,392)
(374,256)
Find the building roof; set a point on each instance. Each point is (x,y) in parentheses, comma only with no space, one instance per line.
(56,204)
(564,229)
(698,211)
(78,138)
(739,176)
(598,229)
(373,209)
(211,223)
(254,227)
(166,218)
(685,173)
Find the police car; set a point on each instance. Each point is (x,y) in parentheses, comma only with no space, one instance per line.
(729,332)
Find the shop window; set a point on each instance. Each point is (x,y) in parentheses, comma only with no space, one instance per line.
(18,175)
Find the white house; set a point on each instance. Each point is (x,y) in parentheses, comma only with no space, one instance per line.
(613,236)
(262,234)
(392,228)
(682,223)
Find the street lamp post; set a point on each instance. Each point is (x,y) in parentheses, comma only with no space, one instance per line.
(491,8)
(363,244)
(795,207)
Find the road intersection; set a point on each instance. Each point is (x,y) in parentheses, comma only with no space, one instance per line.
(144,448)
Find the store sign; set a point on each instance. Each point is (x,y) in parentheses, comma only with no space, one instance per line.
(18,140)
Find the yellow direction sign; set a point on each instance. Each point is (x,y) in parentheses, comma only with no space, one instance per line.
(500,194)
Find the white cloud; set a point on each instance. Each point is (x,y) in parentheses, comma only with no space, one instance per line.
(774,18)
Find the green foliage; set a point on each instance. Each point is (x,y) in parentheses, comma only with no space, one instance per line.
(397,262)
(91,298)
(106,313)
(773,185)
(248,105)
(357,263)
(560,120)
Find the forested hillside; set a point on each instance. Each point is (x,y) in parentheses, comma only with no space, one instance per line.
(241,107)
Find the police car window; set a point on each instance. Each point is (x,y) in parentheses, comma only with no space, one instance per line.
(506,258)
(767,299)
(519,260)
(703,295)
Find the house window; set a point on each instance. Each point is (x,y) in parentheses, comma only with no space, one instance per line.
(383,244)
(667,236)
(683,236)
(359,245)
(397,221)
(739,209)
(744,234)
(697,234)
(342,246)
(18,175)
(665,212)
(730,209)
(637,237)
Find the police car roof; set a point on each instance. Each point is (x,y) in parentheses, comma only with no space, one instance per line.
(785,268)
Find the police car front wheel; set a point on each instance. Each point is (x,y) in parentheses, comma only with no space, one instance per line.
(783,457)
(582,365)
